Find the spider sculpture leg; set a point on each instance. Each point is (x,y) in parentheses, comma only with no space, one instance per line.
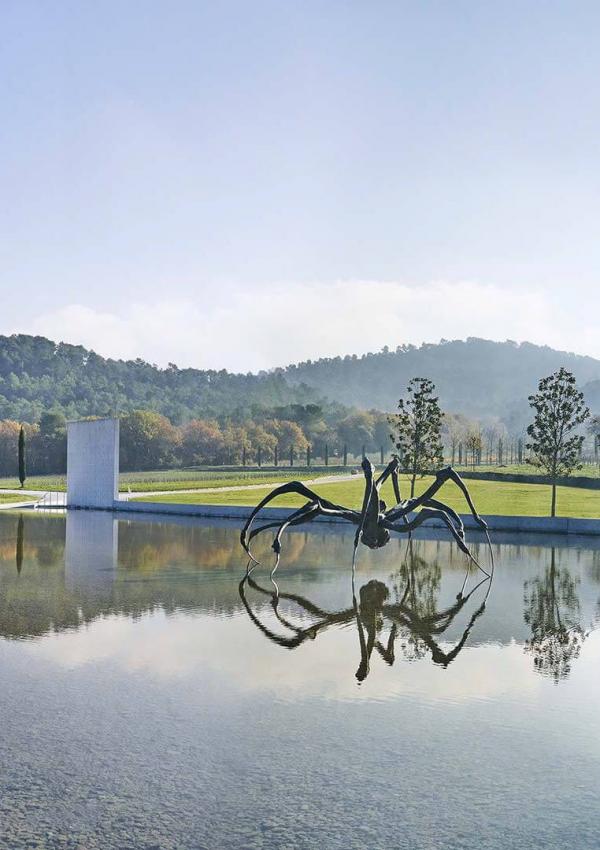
(303,514)
(315,506)
(421,517)
(325,619)
(444,475)
(435,513)
(440,506)
(391,469)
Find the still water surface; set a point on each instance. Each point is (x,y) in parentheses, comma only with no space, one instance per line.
(151,698)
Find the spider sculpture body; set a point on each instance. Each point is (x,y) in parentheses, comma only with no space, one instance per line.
(375,521)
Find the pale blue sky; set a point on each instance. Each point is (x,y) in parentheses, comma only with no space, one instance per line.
(242,184)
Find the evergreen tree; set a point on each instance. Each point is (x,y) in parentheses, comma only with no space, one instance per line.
(417,429)
(22,459)
(559,410)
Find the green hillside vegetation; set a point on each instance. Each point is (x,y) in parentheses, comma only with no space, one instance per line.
(475,377)
(37,374)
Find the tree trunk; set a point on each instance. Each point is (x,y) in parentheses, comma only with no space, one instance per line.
(553,508)
(412,484)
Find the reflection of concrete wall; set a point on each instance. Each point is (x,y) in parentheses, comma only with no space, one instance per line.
(91,545)
(92,463)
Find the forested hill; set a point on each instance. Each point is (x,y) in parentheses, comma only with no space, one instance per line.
(475,377)
(37,374)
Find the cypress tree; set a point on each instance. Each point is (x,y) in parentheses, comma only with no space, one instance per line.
(22,464)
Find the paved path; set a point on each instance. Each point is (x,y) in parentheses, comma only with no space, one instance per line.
(324,479)
(10,506)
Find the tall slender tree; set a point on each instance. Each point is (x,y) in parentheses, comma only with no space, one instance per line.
(560,410)
(22,457)
(417,429)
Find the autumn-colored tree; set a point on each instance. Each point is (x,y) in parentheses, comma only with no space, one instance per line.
(289,435)
(260,440)
(9,438)
(356,430)
(201,442)
(235,444)
(148,441)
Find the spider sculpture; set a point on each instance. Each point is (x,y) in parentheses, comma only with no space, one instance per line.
(375,520)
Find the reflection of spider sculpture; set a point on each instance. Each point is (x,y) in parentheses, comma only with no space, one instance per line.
(369,613)
(374,521)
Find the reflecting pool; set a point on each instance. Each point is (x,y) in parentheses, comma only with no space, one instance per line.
(154,695)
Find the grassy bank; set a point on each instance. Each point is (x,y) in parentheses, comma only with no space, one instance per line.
(490,497)
(182,479)
(10,498)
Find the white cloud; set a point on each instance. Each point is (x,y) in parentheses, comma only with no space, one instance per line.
(249,330)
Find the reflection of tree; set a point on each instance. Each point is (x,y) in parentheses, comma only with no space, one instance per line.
(19,550)
(147,548)
(416,585)
(552,610)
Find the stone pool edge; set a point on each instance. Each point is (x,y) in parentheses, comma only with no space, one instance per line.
(496,522)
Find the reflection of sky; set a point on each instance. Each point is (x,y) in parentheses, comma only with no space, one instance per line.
(171,647)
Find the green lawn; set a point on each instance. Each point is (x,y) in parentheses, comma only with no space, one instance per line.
(490,497)
(36,482)
(588,470)
(181,479)
(186,480)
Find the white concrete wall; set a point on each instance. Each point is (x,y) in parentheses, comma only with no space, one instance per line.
(92,463)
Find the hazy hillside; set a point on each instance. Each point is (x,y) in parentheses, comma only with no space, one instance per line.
(37,374)
(475,377)
(592,395)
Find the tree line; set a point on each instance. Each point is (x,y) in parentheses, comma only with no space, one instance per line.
(297,434)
